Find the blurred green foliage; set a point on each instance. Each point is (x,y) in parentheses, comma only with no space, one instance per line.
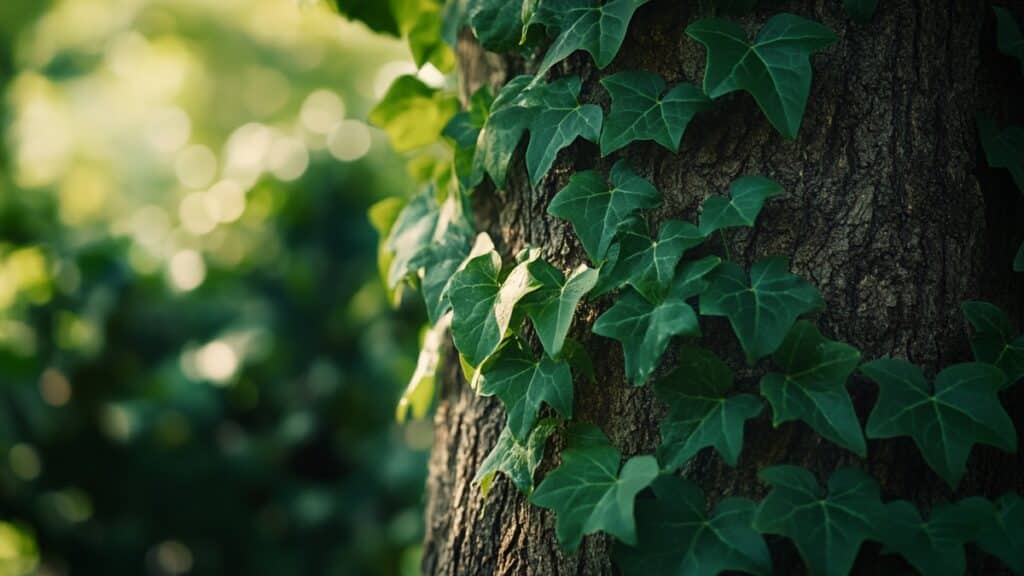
(198,364)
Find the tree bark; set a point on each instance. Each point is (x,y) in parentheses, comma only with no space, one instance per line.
(889,211)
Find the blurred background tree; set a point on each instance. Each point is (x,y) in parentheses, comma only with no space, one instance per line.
(198,365)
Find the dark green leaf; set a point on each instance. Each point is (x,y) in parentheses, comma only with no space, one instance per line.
(510,115)
(641,110)
(438,261)
(813,387)
(374,13)
(1003,535)
(648,264)
(827,529)
(523,383)
(679,538)
(993,341)
(516,460)
(1003,148)
(589,492)
(497,24)
(553,306)
(560,119)
(1009,38)
(700,413)
(860,10)
(596,26)
(747,196)
(413,114)
(775,69)
(935,547)
(944,422)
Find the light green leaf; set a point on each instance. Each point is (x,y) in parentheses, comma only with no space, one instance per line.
(827,529)
(560,119)
(1003,148)
(413,114)
(1009,37)
(993,341)
(645,329)
(588,491)
(420,22)
(679,538)
(382,216)
(510,115)
(523,383)
(935,547)
(761,312)
(419,393)
(813,387)
(648,264)
(497,24)
(860,10)
(483,303)
(700,413)
(516,460)
(597,26)
(411,233)
(1003,535)
(553,306)
(747,196)
(945,421)
(775,69)
(597,208)
(641,110)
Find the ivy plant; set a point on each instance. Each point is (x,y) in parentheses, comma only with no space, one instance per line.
(643,110)
(515,459)
(597,26)
(936,546)
(993,341)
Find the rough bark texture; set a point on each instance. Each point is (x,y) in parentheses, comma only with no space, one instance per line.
(890,213)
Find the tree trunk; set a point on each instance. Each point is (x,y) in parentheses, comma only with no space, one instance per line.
(889,211)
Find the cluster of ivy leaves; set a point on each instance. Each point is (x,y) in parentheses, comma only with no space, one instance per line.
(486,302)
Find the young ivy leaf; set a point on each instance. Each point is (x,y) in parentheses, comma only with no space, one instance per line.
(775,69)
(1003,535)
(747,196)
(679,538)
(1008,35)
(762,311)
(641,110)
(935,547)
(645,329)
(410,234)
(1003,148)
(517,460)
(413,114)
(813,387)
(523,383)
(860,10)
(827,529)
(597,26)
(648,264)
(419,392)
(700,413)
(509,116)
(993,341)
(483,303)
(944,421)
(589,492)
(598,208)
(559,120)
(498,24)
(553,306)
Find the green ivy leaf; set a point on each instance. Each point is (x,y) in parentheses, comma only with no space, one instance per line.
(375,14)
(598,208)
(1003,148)
(935,547)
(761,312)
(860,10)
(775,70)
(483,303)
(497,24)
(559,121)
(993,341)
(1008,35)
(813,387)
(420,22)
(641,110)
(510,115)
(553,306)
(597,26)
(464,129)
(645,328)
(588,492)
(516,460)
(827,529)
(678,537)
(523,383)
(413,114)
(647,264)
(411,233)
(1003,535)
(944,422)
(700,413)
(747,196)
(439,260)
(419,393)
(382,216)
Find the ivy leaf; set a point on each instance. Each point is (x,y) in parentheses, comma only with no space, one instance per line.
(645,328)
(383,215)
(516,460)
(761,312)
(813,387)
(411,233)
(775,69)
(827,529)
(700,414)
(419,392)
(510,115)
(553,306)
(1003,535)
(1003,148)
(588,492)
(647,264)
(497,24)
(523,383)
(678,537)
(375,14)
(747,196)
(946,420)
(860,10)
(993,341)
(483,303)
(412,114)
(597,26)
(936,546)
(597,208)
(1008,35)
(420,22)
(439,260)
(559,121)
(641,110)
(464,129)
